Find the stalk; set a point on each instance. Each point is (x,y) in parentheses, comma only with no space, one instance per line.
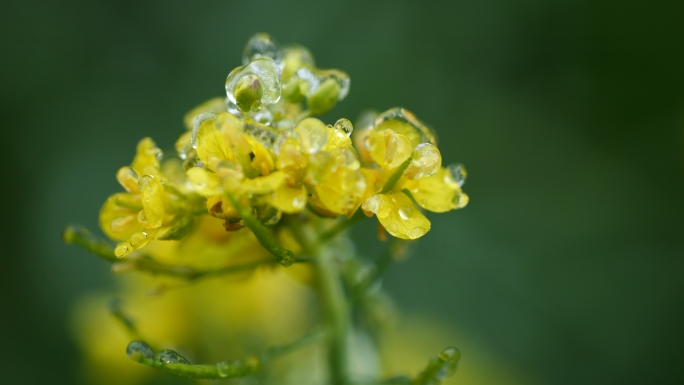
(332,300)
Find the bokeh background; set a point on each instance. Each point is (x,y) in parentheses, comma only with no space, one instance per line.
(567,265)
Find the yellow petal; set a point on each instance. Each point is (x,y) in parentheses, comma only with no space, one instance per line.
(438,193)
(312,135)
(116,221)
(265,184)
(262,159)
(389,149)
(147,156)
(211,143)
(128,179)
(204,182)
(337,139)
(405,123)
(404,220)
(152,195)
(219,207)
(289,200)
(217,104)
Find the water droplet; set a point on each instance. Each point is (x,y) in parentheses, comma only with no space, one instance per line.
(297,203)
(425,161)
(345,125)
(273,218)
(449,353)
(460,200)
(225,369)
(199,121)
(139,239)
(263,134)
(268,74)
(286,259)
(315,77)
(167,356)
(392,228)
(416,232)
(261,45)
(405,123)
(458,173)
(121,250)
(405,212)
(139,350)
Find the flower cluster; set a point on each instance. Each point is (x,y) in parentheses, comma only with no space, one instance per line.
(258,152)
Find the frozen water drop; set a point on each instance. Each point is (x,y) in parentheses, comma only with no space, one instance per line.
(449,354)
(405,212)
(199,121)
(139,350)
(261,45)
(121,250)
(167,356)
(345,125)
(267,72)
(458,173)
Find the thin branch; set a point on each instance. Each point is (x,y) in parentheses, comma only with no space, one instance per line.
(172,362)
(283,256)
(80,236)
(341,226)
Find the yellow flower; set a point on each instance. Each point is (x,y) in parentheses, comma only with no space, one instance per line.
(405,151)
(135,217)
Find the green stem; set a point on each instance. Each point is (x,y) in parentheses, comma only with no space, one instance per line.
(341,226)
(263,234)
(80,236)
(396,175)
(139,351)
(381,264)
(332,298)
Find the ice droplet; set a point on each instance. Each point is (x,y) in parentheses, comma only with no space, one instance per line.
(458,173)
(405,212)
(345,125)
(139,350)
(261,45)
(167,356)
(266,71)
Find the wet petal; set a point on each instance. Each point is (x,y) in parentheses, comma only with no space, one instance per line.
(152,196)
(438,193)
(404,219)
(204,182)
(147,157)
(289,200)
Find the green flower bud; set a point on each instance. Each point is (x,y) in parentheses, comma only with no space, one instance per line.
(294,91)
(248,93)
(324,98)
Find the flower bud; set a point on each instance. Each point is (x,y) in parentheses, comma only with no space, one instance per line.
(248,93)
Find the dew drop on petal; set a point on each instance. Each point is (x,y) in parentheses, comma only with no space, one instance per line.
(121,250)
(344,125)
(405,212)
(416,232)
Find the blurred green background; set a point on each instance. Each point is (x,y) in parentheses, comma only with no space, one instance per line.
(566,265)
